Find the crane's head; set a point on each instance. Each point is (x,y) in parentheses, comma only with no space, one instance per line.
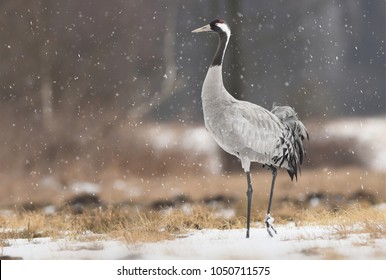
(217,25)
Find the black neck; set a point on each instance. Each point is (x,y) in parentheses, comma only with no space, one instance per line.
(222,44)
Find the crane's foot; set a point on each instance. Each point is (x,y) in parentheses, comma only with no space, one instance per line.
(269,224)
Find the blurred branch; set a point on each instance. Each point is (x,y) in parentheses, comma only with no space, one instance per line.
(46,59)
(170,75)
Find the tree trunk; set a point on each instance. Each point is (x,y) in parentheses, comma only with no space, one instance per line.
(46,99)
(170,74)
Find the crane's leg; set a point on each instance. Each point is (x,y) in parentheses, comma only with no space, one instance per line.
(268,219)
(249,196)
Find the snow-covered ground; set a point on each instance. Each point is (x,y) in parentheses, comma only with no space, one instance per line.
(369,134)
(306,242)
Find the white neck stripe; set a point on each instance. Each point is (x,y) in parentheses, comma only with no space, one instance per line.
(224,27)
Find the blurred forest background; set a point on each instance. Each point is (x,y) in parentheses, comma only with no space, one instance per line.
(86,86)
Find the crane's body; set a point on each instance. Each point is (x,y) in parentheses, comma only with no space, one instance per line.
(246,130)
(243,129)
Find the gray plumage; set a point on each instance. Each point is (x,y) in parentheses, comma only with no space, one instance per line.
(249,131)
(288,116)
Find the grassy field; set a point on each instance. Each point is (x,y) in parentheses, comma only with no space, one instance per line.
(161,225)
(153,209)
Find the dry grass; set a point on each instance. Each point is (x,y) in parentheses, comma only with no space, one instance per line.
(331,254)
(324,253)
(136,219)
(354,220)
(114,222)
(136,227)
(174,223)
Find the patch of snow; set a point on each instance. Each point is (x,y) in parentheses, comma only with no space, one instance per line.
(306,242)
(199,141)
(51,182)
(194,141)
(132,191)
(46,248)
(291,243)
(226,213)
(314,202)
(85,187)
(381,206)
(370,135)
(163,138)
(50,209)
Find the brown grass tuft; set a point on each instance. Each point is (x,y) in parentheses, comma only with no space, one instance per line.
(171,223)
(348,221)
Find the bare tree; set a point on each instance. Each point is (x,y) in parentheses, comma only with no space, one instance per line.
(45,46)
(169,83)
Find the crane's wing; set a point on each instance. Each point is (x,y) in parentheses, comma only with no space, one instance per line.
(258,128)
(288,116)
(272,139)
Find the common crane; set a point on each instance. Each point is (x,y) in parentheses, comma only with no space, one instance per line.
(248,131)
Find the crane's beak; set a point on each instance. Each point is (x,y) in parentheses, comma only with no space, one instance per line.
(205,28)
